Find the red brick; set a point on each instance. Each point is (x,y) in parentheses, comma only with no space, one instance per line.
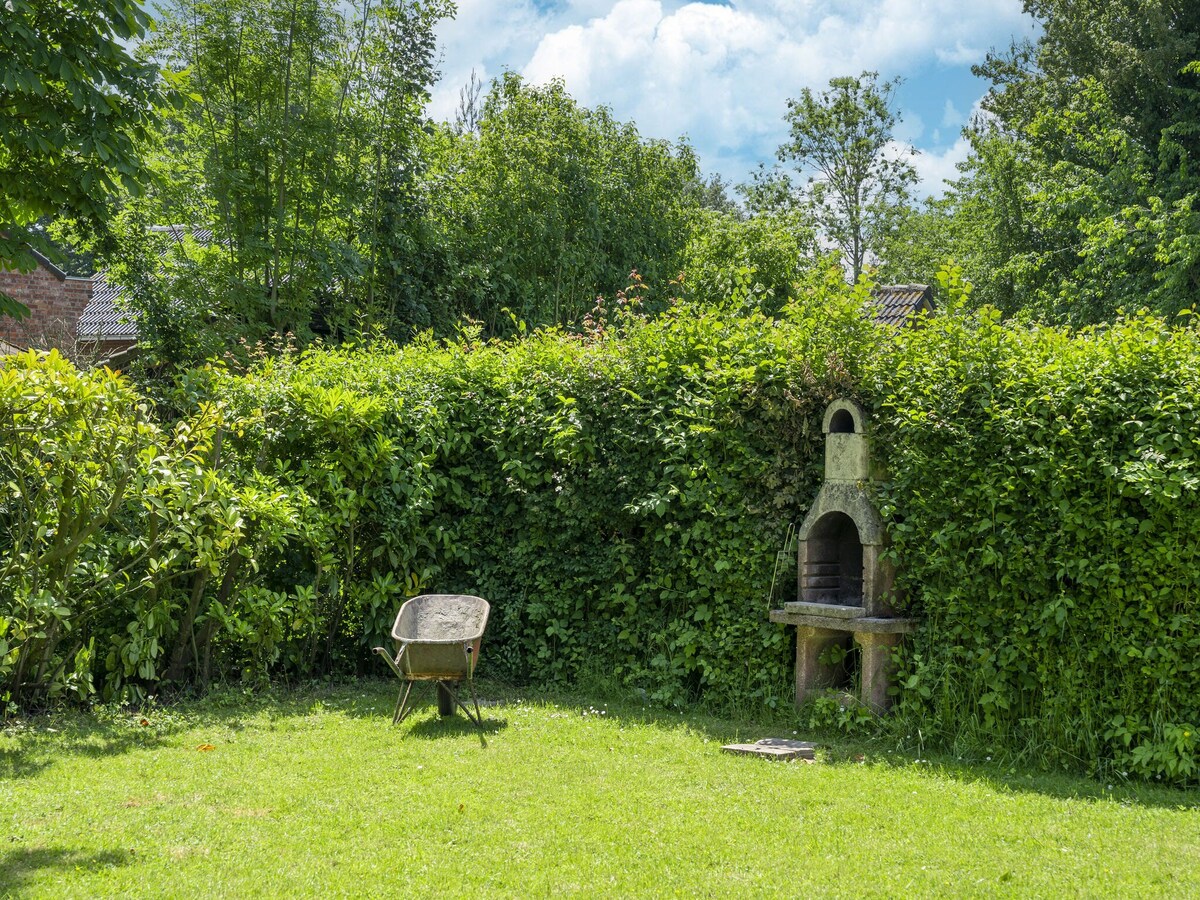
(55,303)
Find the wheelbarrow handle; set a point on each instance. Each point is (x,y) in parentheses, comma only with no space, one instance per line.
(469,655)
(387,658)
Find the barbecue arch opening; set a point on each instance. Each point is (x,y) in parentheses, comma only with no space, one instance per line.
(834,567)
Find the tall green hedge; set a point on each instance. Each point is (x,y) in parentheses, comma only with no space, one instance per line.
(620,495)
(1045,486)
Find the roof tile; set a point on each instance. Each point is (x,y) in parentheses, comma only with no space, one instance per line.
(896,303)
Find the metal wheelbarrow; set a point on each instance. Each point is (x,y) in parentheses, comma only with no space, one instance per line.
(437,639)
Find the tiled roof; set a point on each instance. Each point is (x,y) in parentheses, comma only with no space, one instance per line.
(895,303)
(47,264)
(103,319)
(200,235)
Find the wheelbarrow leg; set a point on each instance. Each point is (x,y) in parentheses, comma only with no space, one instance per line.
(394,664)
(446,699)
(475,700)
(448,693)
(469,654)
(401,712)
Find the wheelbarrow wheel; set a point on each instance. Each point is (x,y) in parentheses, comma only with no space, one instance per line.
(445,699)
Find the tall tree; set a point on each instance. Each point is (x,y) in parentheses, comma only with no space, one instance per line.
(297,150)
(550,204)
(470,105)
(74,105)
(858,176)
(1082,194)
(753,261)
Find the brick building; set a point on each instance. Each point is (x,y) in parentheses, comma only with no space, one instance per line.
(55,301)
(78,316)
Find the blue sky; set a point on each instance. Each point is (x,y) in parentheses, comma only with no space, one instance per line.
(720,71)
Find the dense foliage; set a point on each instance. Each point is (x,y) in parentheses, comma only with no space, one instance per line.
(1080,196)
(620,495)
(618,492)
(109,523)
(1048,491)
(297,151)
(545,205)
(744,263)
(74,103)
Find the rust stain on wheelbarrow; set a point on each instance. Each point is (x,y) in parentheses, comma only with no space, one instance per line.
(437,639)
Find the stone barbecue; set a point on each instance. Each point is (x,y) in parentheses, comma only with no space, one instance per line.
(844,585)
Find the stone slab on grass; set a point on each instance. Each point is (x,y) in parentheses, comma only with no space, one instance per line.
(775,748)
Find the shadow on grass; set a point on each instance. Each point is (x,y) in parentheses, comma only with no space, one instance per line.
(16,764)
(30,745)
(20,867)
(437,727)
(716,728)
(72,734)
(1012,778)
(108,732)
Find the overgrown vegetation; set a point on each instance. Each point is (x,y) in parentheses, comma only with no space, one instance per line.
(543,206)
(1081,192)
(619,494)
(617,485)
(1046,486)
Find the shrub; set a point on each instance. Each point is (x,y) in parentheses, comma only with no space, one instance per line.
(1045,488)
(618,496)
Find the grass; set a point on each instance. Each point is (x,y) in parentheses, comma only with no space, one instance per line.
(314,793)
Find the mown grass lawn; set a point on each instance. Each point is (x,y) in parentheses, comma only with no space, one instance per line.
(314,793)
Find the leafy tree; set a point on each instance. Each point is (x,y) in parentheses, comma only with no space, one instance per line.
(751,262)
(549,205)
(713,193)
(470,105)
(74,105)
(299,150)
(857,179)
(1082,194)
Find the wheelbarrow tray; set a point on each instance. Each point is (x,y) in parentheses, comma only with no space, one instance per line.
(437,638)
(425,660)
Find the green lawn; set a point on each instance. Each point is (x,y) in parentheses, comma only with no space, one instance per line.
(314,793)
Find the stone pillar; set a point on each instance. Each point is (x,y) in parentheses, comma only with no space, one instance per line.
(811,673)
(875,668)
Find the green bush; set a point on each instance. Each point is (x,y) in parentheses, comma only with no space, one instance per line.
(1045,491)
(103,512)
(619,495)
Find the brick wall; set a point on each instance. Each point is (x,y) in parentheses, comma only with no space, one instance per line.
(55,302)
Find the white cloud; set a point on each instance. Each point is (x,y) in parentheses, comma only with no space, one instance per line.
(960,55)
(719,72)
(936,169)
(951,116)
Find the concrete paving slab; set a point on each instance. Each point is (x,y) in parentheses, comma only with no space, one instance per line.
(775,748)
